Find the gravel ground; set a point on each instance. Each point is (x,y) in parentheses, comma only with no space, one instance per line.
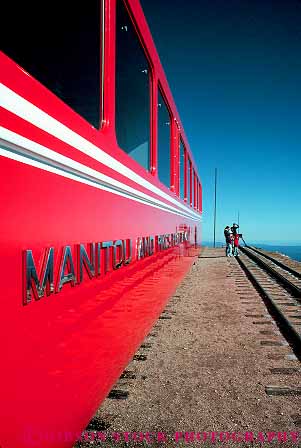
(208,363)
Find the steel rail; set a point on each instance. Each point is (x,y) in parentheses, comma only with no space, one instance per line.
(289,285)
(279,263)
(295,335)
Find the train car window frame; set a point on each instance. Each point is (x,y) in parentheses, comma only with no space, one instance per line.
(200,197)
(195,190)
(51,59)
(181,170)
(189,170)
(102,68)
(168,184)
(192,186)
(146,157)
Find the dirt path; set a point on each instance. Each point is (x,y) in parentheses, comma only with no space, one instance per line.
(209,360)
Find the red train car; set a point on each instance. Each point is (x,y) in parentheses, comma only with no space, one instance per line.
(100,208)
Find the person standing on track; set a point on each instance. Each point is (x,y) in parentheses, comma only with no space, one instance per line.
(236,244)
(227,234)
(234,229)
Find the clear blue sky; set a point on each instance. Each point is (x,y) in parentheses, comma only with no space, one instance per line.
(234,69)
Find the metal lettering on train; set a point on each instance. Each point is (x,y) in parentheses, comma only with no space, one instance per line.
(96,262)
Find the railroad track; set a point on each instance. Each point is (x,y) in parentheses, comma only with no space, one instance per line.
(277,262)
(280,288)
(285,275)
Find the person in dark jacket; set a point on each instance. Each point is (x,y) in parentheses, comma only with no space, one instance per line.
(228,239)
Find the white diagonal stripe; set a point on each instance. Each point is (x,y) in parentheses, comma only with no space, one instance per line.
(26,151)
(18,105)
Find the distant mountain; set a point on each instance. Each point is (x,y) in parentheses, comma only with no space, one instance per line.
(210,243)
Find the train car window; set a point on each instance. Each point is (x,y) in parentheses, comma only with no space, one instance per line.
(192,187)
(182,169)
(195,191)
(200,197)
(132,116)
(60,45)
(189,182)
(164,129)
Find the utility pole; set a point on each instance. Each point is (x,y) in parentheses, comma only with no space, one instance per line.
(215,182)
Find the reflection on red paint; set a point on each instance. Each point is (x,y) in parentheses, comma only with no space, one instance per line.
(74,347)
